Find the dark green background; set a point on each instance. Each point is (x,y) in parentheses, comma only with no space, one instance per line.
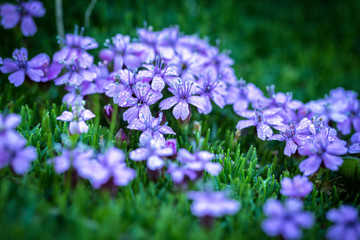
(307,47)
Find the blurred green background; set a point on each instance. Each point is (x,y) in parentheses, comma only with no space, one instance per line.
(307,47)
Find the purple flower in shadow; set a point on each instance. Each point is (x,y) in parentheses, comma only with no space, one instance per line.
(23,12)
(346,224)
(19,66)
(286,220)
(298,187)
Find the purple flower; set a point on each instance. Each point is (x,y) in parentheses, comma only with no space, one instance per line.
(322,149)
(78,159)
(75,74)
(151,128)
(242,94)
(262,120)
(75,49)
(217,61)
(153,152)
(352,112)
(19,66)
(24,12)
(347,225)
(284,102)
(355,147)
(209,87)
(12,146)
(183,92)
(212,204)
(77,119)
(120,50)
(199,161)
(287,220)
(109,169)
(158,74)
(294,134)
(122,89)
(298,187)
(139,105)
(187,65)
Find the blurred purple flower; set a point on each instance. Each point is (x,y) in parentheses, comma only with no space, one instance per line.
(355,147)
(12,146)
(212,204)
(284,102)
(77,158)
(352,112)
(347,225)
(109,169)
(120,51)
(262,120)
(19,66)
(24,12)
(242,94)
(183,92)
(151,128)
(322,150)
(298,187)
(152,151)
(286,220)
(75,49)
(199,161)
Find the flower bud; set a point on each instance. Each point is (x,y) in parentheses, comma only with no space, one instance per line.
(121,136)
(108,110)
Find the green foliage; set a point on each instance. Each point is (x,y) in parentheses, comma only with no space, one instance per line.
(291,44)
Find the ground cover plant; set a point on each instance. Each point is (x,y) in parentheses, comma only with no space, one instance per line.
(125,130)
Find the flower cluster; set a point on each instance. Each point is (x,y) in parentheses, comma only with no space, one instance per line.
(12,146)
(23,12)
(304,127)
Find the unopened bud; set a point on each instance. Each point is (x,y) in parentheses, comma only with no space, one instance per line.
(172,144)
(121,136)
(108,110)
